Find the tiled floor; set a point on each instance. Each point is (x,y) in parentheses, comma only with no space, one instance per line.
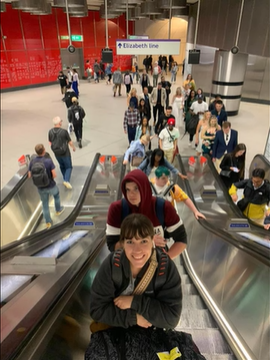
(26,117)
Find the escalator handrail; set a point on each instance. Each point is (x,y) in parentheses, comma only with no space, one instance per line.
(229,200)
(13,191)
(228,330)
(68,221)
(263,158)
(254,249)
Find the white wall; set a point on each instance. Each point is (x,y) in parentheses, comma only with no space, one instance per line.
(159,30)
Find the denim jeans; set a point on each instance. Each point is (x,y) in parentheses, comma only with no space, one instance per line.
(173,77)
(65,166)
(45,197)
(155,80)
(131,133)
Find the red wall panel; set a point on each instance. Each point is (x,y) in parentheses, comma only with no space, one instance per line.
(88,30)
(53,64)
(18,67)
(5,74)
(30,47)
(31,31)
(11,28)
(49,31)
(37,66)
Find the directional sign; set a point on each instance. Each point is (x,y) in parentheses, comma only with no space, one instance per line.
(147,47)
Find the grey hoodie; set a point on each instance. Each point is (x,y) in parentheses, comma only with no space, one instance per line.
(117,77)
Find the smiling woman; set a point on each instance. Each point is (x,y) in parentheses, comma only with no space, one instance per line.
(136,299)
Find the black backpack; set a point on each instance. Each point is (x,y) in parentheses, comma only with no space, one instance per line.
(59,147)
(192,124)
(39,174)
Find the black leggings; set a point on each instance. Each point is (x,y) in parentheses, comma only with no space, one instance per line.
(191,136)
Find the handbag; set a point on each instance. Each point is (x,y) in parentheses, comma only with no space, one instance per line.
(136,161)
(136,343)
(227,173)
(176,152)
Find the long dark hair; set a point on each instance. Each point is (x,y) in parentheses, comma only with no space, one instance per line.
(241,159)
(157,152)
(140,105)
(189,96)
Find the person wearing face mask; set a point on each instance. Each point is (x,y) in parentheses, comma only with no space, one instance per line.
(162,184)
(138,199)
(256,195)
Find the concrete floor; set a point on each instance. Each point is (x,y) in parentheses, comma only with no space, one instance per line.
(26,117)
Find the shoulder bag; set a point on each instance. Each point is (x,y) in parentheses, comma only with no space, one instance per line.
(176,151)
(227,173)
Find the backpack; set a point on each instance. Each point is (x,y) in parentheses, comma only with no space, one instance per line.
(127,79)
(39,174)
(159,280)
(58,146)
(192,124)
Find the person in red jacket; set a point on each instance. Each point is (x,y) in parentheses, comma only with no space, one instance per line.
(138,195)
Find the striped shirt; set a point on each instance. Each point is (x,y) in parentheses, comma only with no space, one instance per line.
(132,118)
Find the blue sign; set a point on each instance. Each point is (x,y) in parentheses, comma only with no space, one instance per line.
(84,223)
(239,225)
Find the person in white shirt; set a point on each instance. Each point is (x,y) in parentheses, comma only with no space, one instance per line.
(199,107)
(168,140)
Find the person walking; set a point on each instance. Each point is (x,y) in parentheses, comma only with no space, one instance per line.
(88,70)
(68,96)
(167,86)
(117,81)
(147,100)
(144,80)
(108,72)
(69,76)
(174,69)
(63,81)
(76,114)
(168,140)
(96,71)
(131,121)
(75,82)
(158,98)
(156,72)
(42,171)
(60,141)
(128,82)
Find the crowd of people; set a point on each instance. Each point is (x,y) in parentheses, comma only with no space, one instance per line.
(126,292)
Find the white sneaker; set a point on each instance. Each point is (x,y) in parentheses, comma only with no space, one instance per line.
(67,185)
(190,143)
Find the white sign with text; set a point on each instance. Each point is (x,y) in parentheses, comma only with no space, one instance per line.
(147,47)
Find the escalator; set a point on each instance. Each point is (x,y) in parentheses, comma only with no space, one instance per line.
(21,208)
(219,208)
(260,161)
(221,277)
(41,268)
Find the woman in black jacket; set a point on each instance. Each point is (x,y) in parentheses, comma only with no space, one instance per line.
(112,299)
(233,166)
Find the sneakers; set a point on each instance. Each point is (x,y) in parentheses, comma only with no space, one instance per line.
(113,94)
(67,185)
(48,225)
(80,144)
(70,128)
(58,213)
(190,143)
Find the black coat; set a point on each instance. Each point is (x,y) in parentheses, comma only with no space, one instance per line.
(227,162)
(162,308)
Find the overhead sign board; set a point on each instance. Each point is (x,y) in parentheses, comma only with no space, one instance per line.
(138,37)
(147,47)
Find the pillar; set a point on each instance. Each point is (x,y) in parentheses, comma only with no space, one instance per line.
(190,37)
(228,78)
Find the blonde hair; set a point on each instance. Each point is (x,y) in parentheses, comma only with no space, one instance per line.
(57,120)
(178,91)
(215,118)
(145,138)
(133,91)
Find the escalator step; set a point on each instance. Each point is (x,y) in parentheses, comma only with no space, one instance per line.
(193,302)
(196,319)
(219,357)
(209,341)
(181,270)
(189,289)
(185,279)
